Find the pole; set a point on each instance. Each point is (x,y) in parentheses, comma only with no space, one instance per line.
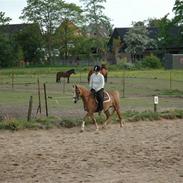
(170,80)
(29,109)
(124,75)
(45,96)
(39,96)
(12,79)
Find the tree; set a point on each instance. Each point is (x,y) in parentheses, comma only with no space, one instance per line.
(178,10)
(49,15)
(4,20)
(31,42)
(97,21)
(168,33)
(137,40)
(7,52)
(68,31)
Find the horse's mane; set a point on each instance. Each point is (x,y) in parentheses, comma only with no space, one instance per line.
(71,70)
(82,87)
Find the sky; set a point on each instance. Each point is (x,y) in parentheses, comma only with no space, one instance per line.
(121,12)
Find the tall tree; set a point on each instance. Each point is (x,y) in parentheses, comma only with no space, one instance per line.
(7,52)
(137,40)
(97,21)
(69,29)
(4,20)
(48,14)
(31,42)
(178,10)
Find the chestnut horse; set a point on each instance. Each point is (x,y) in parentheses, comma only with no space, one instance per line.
(111,100)
(66,74)
(103,71)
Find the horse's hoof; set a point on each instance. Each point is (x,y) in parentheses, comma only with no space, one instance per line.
(121,125)
(82,130)
(104,127)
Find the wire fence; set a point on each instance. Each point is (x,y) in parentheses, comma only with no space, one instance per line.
(137,89)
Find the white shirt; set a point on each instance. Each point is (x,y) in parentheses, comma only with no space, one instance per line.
(97,81)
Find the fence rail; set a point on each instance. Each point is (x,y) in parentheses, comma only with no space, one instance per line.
(136,88)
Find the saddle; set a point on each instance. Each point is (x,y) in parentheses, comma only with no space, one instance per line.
(107,98)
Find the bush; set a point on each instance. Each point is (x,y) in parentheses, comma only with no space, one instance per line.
(151,61)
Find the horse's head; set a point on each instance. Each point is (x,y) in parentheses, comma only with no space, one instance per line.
(72,71)
(76,93)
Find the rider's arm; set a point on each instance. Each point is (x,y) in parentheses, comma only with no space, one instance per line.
(102,81)
(91,81)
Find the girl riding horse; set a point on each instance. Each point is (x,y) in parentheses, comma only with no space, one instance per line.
(103,71)
(90,105)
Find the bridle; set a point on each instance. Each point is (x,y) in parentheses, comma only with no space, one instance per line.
(76,94)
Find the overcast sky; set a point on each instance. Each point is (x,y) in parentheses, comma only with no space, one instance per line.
(121,12)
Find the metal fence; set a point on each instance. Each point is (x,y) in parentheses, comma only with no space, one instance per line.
(136,88)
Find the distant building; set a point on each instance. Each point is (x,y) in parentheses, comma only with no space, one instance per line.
(154,33)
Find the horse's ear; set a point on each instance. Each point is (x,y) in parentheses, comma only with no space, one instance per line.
(74,86)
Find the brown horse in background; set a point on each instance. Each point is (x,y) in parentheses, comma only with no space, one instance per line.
(111,100)
(103,71)
(66,74)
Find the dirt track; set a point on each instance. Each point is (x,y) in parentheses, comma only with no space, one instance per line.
(140,152)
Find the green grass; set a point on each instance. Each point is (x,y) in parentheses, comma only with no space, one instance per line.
(52,122)
(140,86)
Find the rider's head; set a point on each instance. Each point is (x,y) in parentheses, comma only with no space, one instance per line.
(96,68)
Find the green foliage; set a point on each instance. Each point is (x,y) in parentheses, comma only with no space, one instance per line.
(151,61)
(95,16)
(99,26)
(4,20)
(49,19)
(178,10)
(137,40)
(8,53)
(31,42)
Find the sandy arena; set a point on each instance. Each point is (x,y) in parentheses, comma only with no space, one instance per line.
(141,152)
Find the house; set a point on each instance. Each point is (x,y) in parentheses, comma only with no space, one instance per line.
(10,29)
(154,33)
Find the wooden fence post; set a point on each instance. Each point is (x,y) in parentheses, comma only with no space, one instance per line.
(12,79)
(30,109)
(63,86)
(170,80)
(45,96)
(39,96)
(124,77)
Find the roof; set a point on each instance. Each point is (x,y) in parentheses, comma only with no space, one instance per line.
(154,33)
(13,28)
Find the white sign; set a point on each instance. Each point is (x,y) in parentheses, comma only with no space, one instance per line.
(156,100)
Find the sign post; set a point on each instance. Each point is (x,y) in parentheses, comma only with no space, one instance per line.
(156,101)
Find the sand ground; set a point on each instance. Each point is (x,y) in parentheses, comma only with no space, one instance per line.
(141,152)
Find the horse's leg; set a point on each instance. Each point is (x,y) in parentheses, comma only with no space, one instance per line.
(108,115)
(120,118)
(94,120)
(83,123)
(68,80)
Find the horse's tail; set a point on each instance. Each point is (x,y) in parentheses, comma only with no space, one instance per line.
(116,97)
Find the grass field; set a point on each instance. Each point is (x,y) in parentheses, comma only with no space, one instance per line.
(137,90)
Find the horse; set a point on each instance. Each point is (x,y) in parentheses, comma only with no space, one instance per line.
(111,100)
(66,74)
(103,71)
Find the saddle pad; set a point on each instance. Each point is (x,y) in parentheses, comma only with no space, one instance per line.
(106,97)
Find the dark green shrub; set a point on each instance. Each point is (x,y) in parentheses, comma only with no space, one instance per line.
(151,61)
